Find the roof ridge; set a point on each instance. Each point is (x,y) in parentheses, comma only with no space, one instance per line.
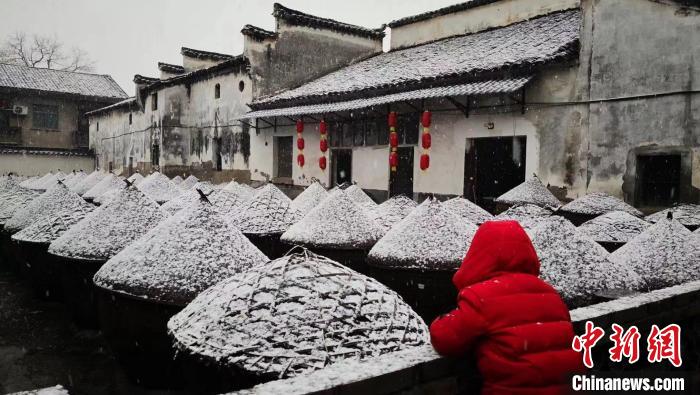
(304,19)
(201,53)
(56,70)
(450,9)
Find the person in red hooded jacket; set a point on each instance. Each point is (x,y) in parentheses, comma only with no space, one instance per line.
(516,323)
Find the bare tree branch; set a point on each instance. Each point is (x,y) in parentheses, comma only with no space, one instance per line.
(43,51)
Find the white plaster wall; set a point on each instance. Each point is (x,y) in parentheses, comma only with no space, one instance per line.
(32,165)
(370,167)
(501,13)
(191,64)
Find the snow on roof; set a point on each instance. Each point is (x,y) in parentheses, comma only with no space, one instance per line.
(310,197)
(430,238)
(74,179)
(337,222)
(107,183)
(159,187)
(528,215)
(12,198)
(614,227)
(110,228)
(188,182)
(50,227)
(575,265)
(136,178)
(57,198)
(55,390)
(687,214)
(177,180)
(45,182)
(665,254)
(531,191)
(393,210)
(295,315)
(468,210)
(598,203)
(269,211)
(88,182)
(181,257)
(359,196)
(187,197)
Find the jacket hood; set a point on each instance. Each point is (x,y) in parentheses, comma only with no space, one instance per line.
(498,247)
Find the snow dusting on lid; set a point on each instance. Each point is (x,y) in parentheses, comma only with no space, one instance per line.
(12,198)
(268,212)
(107,183)
(181,257)
(189,182)
(310,197)
(88,182)
(136,178)
(187,197)
(74,178)
(359,196)
(110,228)
(159,187)
(389,213)
(531,191)
(430,238)
(686,214)
(665,254)
(614,227)
(598,203)
(528,215)
(177,180)
(575,265)
(57,198)
(50,227)
(242,190)
(468,210)
(337,222)
(295,315)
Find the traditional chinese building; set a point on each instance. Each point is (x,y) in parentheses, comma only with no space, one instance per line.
(42,122)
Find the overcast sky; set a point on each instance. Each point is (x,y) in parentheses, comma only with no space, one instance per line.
(127,37)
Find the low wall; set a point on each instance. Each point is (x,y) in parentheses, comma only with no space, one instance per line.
(32,165)
(422,371)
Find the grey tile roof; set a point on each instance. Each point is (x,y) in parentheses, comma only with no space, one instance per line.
(126,103)
(42,151)
(521,46)
(441,11)
(472,89)
(257,33)
(299,18)
(199,54)
(170,68)
(56,81)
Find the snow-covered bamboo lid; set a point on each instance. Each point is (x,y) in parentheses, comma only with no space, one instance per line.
(430,238)
(599,203)
(294,315)
(177,180)
(310,197)
(359,196)
(107,183)
(107,230)
(686,214)
(577,266)
(12,198)
(77,177)
(268,212)
(189,182)
(390,212)
(528,215)
(665,254)
(58,198)
(52,226)
(532,191)
(136,178)
(614,227)
(180,257)
(88,182)
(336,223)
(187,197)
(468,210)
(159,187)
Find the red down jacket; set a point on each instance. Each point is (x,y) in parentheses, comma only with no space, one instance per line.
(517,324)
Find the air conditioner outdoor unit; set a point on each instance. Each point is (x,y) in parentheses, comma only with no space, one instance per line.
(21,110)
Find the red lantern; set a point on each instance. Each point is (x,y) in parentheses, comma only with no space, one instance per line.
(392,119)
(300,160)
(322,127)
(300,143)
(393,140)
(394,159)
(324,145)
(426,140)
(424,161)
(300,126)
(322,162)
(425,119)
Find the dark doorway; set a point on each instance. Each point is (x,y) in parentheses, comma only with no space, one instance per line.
(341,166)
(658,180)
(283,156)
(401,180)
(217,153)
(155,155)
(493,166)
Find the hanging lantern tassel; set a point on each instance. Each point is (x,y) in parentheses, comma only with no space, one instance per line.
(323,144)
(426,140)
(393,142)
(300,142)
